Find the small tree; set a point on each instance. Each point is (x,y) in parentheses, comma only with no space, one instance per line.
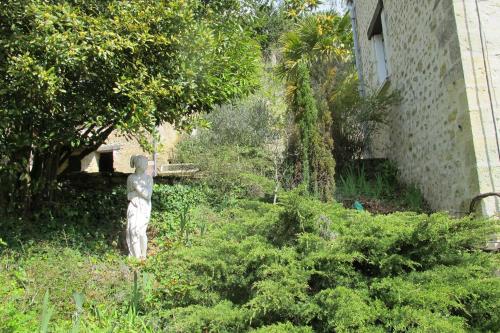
(315,165)
(316,38)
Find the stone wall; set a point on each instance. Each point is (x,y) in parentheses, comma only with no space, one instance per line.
(123,148)
(478,26)
(90,163)
(429,134)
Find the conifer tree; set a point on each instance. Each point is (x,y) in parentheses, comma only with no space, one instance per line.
(317,38)
(316,160)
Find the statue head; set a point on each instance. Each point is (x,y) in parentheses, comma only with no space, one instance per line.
(139,162)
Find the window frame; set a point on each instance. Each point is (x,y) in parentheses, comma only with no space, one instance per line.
(377,32)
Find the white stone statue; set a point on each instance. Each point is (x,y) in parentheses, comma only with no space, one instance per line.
(139,190)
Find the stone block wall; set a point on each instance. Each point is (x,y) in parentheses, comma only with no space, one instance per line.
(90,163)
(478,29)
(123,148)
(429,134)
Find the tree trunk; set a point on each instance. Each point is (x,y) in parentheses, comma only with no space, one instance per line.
(40,188)
(43,177)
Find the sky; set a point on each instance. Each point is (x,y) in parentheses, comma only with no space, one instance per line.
(329,4)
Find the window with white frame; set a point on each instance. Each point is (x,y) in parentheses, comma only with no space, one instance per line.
(376,33)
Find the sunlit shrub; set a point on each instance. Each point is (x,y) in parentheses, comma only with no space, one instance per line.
(308,266)
(298,266)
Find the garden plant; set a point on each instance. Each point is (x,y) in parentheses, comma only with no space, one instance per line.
(272,235)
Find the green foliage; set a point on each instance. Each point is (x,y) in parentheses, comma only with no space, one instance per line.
(316,39)
(72,72)
(71,276)
(174,209)
(345,309)
(11,318)
(241,151)
(88,292)
(306,113)
(74,254)
(283,328)
(315,165)
(176,199)
(354,183)
(222,317)
(323,42)
(298,8)
(82,220)
(299,266)
(47,311)
(381,185)
(304,266)
(79,300)
(230,171)
(245,123)
(356,117)
(413,198)
(266,20)
(301,216)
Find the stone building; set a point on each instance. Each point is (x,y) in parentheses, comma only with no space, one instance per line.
(443,56)
(114,155)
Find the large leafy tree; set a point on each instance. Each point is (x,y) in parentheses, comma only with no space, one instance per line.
(73,71)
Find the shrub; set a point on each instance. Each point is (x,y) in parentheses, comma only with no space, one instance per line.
(222,317)
(356,118)
(241,152)
(227,170)
(173,207)
(308,266)
(283,328)
(298,266)
(302,214)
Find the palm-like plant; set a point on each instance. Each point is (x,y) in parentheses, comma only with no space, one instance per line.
(316,38)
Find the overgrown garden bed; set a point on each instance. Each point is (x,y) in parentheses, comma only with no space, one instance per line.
(298,266)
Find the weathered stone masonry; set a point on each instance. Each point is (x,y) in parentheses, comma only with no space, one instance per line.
(442,134)
(122,148)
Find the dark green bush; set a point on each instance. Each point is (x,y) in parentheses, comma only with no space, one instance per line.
(86,220)
(176,198)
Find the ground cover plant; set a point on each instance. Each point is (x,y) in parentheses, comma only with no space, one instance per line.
(298,266)
(308,266)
